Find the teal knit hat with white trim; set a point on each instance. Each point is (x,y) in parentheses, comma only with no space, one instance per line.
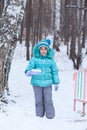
(46,43)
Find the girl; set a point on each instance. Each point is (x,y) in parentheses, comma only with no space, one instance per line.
(44,72)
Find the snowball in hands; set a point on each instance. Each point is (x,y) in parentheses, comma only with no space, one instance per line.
(33,72)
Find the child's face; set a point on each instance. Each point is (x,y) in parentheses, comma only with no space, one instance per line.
(43,50)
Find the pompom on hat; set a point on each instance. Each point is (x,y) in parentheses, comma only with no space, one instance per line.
(46,43)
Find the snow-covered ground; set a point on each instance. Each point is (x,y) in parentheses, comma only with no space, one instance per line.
(19,112)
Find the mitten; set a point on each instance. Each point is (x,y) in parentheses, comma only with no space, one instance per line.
(33,72)
(56,87)
(29,73)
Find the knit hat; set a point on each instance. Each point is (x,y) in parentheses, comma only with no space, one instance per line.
(46,43)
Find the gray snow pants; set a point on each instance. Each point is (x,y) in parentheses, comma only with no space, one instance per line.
(43,102)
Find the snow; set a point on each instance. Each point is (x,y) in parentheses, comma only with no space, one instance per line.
(19,112)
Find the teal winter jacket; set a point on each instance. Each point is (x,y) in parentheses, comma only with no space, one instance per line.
(47,65)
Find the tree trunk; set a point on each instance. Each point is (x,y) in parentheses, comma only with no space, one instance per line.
(28,25)
(21,33)
(73,34)
(1,6)
(84,29)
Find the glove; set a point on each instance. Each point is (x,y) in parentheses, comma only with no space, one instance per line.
(29,73)
(56,87)
(33,72)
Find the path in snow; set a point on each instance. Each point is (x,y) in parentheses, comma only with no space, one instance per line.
(19,113)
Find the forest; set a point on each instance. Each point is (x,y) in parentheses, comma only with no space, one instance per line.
(33,20)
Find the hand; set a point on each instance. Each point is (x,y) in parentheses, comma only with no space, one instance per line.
(29,73)
(33,72)
(56,87)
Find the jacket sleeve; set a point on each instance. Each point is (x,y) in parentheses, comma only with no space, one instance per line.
(31,65)
(54,70)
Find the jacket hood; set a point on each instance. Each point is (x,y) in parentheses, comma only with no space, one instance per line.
(36,52)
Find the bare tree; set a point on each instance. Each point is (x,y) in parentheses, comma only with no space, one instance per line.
(56,41)
(28,25)
(84,19)
(21,32)
(74,27)
(73,33)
